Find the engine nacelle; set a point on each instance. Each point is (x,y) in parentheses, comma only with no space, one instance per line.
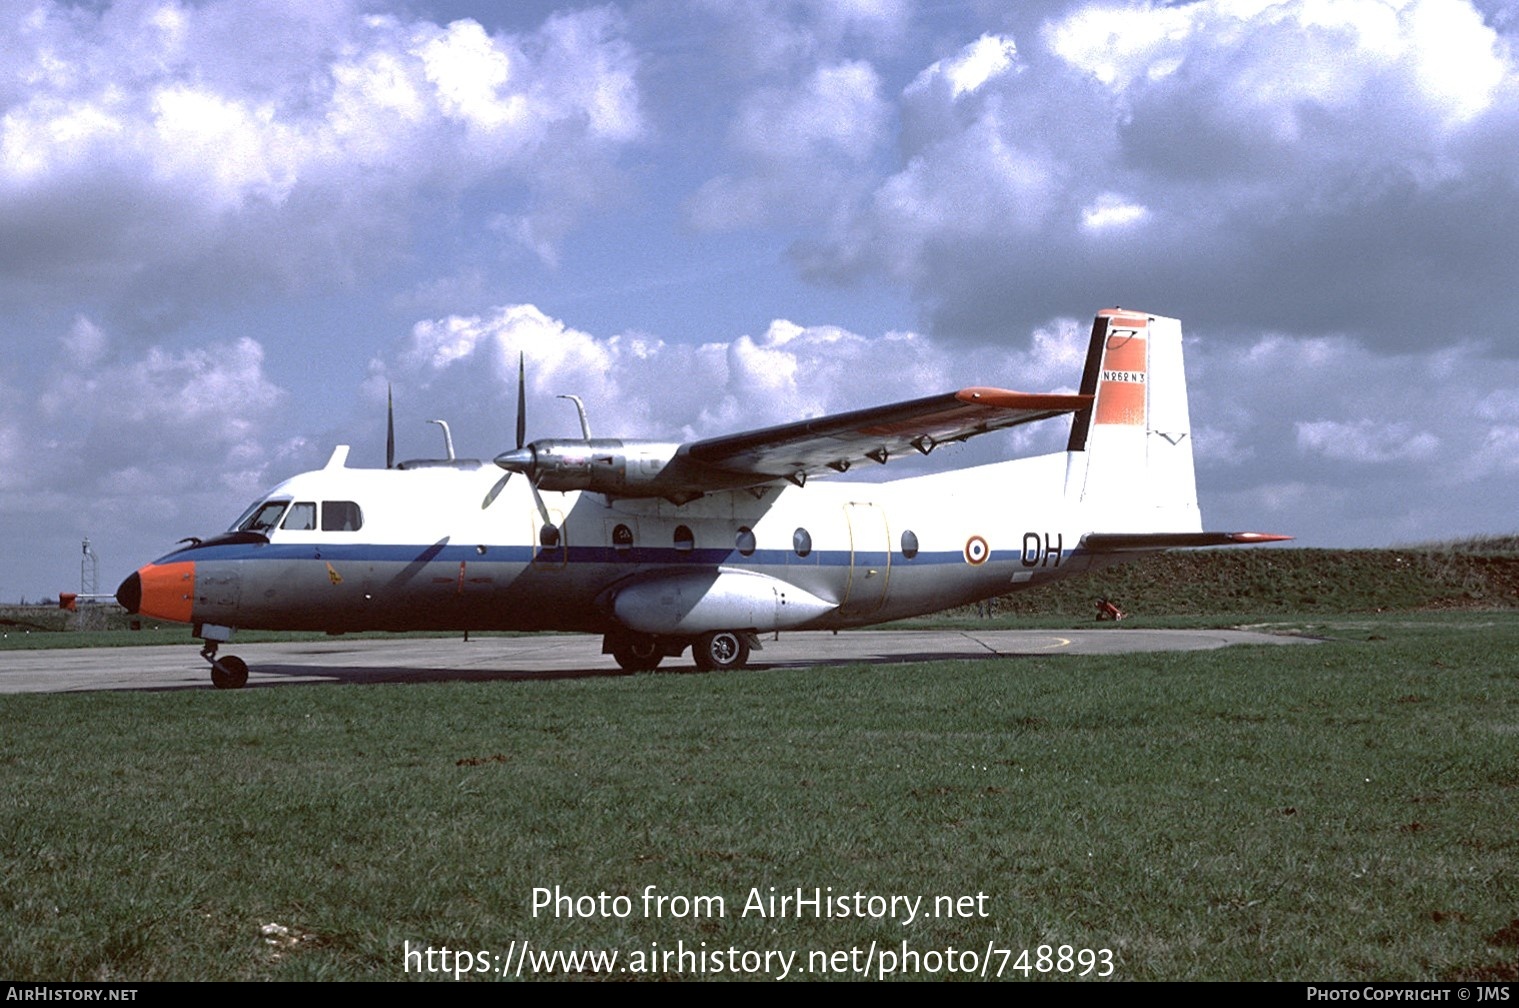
(697,602)
(602,465)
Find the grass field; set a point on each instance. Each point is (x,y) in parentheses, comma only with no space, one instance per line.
(1344,811)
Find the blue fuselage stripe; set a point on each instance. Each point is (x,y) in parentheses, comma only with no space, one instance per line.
(635,555)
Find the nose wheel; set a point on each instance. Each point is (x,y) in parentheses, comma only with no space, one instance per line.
(230,672)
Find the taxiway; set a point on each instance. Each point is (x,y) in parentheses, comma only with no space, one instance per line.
(551,656)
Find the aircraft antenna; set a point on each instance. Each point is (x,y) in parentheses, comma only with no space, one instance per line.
(448,438)
(585,427)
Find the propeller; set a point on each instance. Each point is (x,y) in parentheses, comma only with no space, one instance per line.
(521,459)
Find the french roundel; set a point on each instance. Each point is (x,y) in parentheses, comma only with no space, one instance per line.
(976,551)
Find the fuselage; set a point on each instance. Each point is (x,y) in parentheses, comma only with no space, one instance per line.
(449,546)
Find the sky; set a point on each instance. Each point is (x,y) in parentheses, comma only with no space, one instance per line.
(227,227)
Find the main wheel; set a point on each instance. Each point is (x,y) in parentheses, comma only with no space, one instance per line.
(637,652)
(720,650)
(230,672)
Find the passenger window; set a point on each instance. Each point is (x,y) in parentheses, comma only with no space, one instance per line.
(801,539)
(548,536)
(622,537)
(341,516)
(909,544)
(302,517)
(745,541)
(685,539)
(265,517)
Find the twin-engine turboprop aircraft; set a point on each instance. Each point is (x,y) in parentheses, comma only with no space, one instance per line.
(706,545)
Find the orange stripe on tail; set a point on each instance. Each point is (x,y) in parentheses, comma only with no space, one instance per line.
(1122,390)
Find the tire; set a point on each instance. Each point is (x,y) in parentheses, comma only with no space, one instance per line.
(721,651)
(637,652)
(230,672)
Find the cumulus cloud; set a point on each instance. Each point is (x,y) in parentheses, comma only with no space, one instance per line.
(285,142)
(1375,447)
(760,38)
(107,419)
(136,447)
(638,386)
(1366,441)
(1321,166)
(803,148)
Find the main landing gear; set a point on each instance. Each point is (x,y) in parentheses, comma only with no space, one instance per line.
(635,652)
(718,651)
(230,672)
(721,650)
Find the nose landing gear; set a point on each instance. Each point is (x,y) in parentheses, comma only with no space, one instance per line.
(230,672)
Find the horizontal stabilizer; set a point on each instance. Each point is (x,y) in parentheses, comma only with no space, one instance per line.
(1148,542)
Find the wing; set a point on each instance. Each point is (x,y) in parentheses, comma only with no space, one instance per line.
(796,450)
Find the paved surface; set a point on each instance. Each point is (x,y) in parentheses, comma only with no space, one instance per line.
(551,657)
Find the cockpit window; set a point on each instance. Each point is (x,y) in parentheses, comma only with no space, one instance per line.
(302,517)
(341,516)
(264,517)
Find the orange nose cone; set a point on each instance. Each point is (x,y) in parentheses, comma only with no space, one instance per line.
(166,591)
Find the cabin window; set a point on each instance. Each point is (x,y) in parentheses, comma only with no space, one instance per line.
(685,539)
(622,537)
(341,516)
(548,536)
(264,517)
(909,544)
(302,517)
(744,541)
(801,541)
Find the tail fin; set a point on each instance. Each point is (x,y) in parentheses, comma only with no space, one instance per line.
(1130,452)
(1129,460)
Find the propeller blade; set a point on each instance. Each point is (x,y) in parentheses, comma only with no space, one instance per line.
(390,428)
(495,491)
(538,499)
(521,400)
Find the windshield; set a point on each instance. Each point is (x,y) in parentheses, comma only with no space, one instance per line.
(261,517)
